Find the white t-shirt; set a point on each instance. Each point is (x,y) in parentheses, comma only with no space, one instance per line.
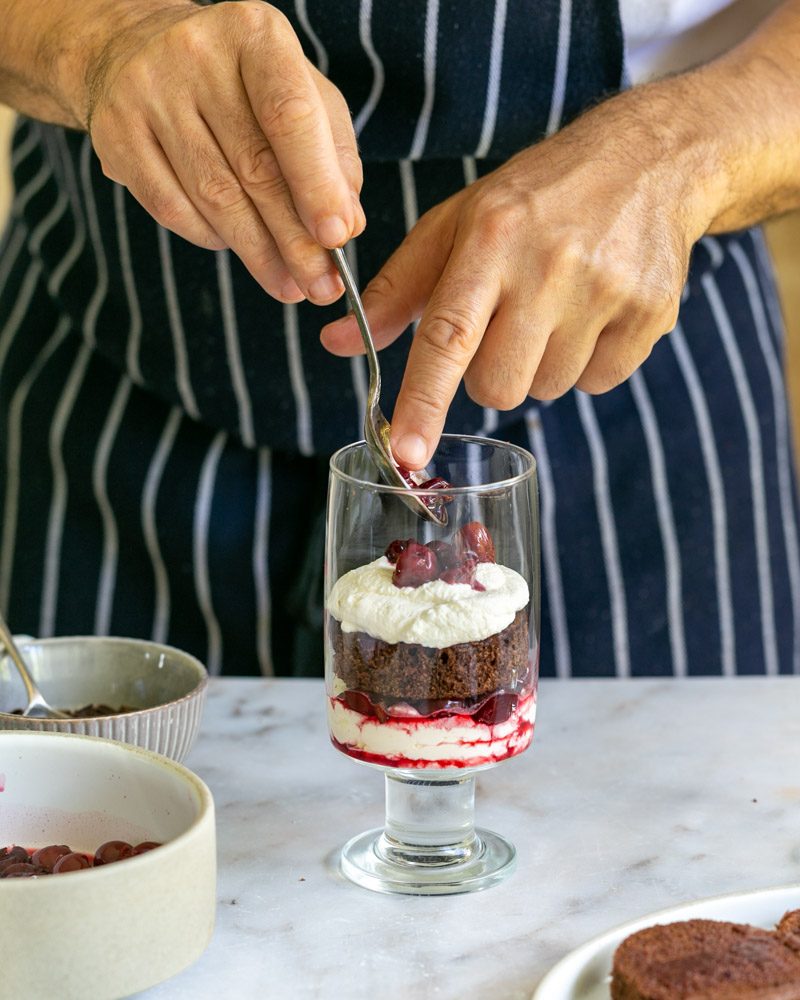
(666,36)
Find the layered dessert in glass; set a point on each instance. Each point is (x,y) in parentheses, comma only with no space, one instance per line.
(431,659)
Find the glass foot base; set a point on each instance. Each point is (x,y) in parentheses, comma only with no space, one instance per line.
(370,861)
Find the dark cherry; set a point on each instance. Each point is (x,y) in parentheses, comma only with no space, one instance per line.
(416,564)
(72,862)
(144,847)
(464,572)
(14,853)
(361,703)
(393,549)
(496,709)
(111,851)
(22,869)
(474,537)
(406,474)
(446,555)
(46,857)
(437,483)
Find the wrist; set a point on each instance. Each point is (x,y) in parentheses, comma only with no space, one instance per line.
(100,35)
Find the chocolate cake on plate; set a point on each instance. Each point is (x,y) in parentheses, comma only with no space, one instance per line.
(709,960)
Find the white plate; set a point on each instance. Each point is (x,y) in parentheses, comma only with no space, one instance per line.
(584,973)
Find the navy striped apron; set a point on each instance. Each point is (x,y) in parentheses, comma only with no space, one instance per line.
(165,426)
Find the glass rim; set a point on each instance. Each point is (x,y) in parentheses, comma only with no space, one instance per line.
(377,487)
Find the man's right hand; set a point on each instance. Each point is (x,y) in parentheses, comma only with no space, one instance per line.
(219,126)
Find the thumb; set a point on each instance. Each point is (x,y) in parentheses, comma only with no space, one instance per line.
(398,293)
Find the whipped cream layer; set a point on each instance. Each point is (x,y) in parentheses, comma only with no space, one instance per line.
(437,614)
(440,742)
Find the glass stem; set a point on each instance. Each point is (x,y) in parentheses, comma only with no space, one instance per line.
(429,822)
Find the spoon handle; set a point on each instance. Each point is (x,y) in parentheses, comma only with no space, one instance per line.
(11,648)
(357,306)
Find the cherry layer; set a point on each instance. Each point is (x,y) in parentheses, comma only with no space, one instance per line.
(491,710)
(416,563)
(18,862)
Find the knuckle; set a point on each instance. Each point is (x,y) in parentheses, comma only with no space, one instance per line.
(552,384)
(452,333)
(257,167)
(493,391)
(218,192)
(498,221)
(427,397)
(287,111)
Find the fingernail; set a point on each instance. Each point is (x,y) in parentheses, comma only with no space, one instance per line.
(327,287)
(332,231)
(411,450)
(290,291)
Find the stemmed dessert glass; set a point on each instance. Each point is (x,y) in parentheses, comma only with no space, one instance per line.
(431,653)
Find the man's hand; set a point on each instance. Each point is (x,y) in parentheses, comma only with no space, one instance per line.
(561,268)
(565,266)
(218,125)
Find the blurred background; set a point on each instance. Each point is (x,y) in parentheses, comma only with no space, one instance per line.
(783,236)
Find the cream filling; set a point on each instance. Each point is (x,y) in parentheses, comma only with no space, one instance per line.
(451,737)
(436,615)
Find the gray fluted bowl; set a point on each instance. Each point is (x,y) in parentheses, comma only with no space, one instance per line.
(165,687)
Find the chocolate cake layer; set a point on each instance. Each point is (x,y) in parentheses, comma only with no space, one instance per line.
(408,670)
(705,960)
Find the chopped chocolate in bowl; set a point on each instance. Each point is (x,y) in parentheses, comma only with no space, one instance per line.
(91,711)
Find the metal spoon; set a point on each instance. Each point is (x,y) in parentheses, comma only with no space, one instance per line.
(37,707)
(377,428)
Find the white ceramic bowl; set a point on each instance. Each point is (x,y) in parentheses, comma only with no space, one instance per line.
(166,686)
(104,932)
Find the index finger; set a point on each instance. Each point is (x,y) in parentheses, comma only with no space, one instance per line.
(293,117)
(448,336)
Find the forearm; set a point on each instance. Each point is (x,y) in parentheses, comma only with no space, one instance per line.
(49,52)
(734,126)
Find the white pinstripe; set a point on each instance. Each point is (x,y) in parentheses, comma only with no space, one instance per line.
(470,169)
(768,279)
(101,288)
(783,444)
(358,362)
(233,349)
(493,82)
(409,189)
(75,248)
(48,222)
(200,526)
(562,67)
(182,377)
(608,533)
(11,251)
(319,49)
(58,500)
(129,280)
(17,314)
(261,562)
(666,522)
(756,463)
(27,145)
(424,120)
(108,568)
(719,514)
(378,76)
(152,483)
(302,402)
(33,187)
(550,557)
(13,452)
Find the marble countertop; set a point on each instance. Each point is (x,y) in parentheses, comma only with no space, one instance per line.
(635,795)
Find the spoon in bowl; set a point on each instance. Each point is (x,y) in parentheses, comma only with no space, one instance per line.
(37,707)
(377,428)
